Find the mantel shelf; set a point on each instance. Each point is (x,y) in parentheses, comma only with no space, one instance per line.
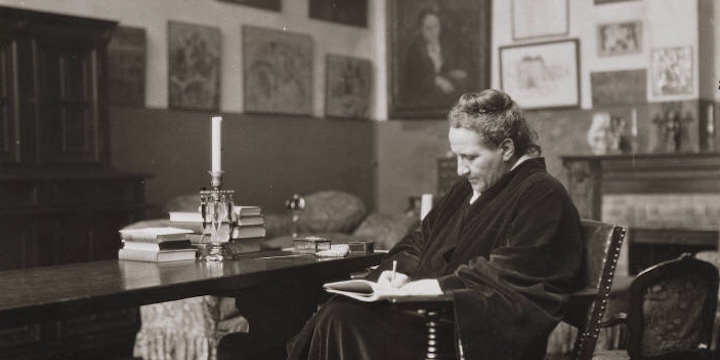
(591,177)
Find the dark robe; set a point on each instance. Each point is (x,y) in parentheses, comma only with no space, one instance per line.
(509,259)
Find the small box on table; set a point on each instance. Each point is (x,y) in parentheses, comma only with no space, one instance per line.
(310,244)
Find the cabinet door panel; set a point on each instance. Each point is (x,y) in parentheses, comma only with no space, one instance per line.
(69,118)
(9,116)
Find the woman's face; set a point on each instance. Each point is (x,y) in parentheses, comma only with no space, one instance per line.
(480,165)
(431,28)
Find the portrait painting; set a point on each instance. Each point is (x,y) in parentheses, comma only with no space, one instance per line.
(278,71)
(274,5)
(348,87)
(126,67)
(619,38)
(438,50)
(193,66)
(672,71)
(542,75)
(348,12)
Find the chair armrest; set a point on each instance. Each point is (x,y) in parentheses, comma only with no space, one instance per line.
(423,303)
(617,319)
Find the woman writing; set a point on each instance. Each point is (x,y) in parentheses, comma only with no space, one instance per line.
(505,242)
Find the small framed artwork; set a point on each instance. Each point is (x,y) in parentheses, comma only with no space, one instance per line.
(672,71)
(126,67)
(437,51)
(537,18)
(622,87)
(348,12)
(193,66)
(274,5)
(542,75)
(348,87)
(619,38)
(278,71)
(601,2)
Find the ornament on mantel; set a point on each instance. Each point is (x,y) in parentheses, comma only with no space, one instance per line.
(606,134)
(672,129)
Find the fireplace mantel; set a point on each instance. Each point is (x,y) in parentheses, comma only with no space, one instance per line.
(591,177)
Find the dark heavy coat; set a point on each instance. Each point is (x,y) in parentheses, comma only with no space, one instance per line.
(509,259)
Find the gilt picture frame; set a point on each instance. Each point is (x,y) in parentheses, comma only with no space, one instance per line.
(193,66)
(348,87)
(278,71)
(542,75)
(437,50)
(127,56)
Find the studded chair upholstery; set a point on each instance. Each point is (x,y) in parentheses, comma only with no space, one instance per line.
(671,313)
(585,309)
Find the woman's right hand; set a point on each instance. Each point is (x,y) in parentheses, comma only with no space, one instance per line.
(386,279)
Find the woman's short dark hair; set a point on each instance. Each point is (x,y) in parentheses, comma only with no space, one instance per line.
(495,117)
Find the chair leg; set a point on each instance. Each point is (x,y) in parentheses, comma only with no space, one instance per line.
(440,337)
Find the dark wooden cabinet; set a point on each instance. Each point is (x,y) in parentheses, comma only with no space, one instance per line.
(60,200)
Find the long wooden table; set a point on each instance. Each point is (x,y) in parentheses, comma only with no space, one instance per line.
(55,292)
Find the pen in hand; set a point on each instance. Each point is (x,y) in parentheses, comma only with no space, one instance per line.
(394,270)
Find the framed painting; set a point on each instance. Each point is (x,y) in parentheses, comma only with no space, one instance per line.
(278,71)
(623,87)
(348,87)
(672,71)
(542,75)
(274,5)
(619,38)
(537,18)
(348,12)
(126,67)
(437,51)
(193,66)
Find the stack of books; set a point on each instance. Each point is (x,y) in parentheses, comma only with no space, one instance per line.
(156,244)
(249,229)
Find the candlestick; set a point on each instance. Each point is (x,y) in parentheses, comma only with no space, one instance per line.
(633,123)
(710,127)
(216,144)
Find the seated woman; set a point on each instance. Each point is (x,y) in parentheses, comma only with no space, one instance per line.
(505,242)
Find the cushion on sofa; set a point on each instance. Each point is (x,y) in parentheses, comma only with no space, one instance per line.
(385,229)
(331,211)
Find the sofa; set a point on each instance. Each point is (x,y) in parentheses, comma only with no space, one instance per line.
(191,329)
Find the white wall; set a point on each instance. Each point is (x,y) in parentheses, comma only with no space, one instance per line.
(153,16)
(666,23)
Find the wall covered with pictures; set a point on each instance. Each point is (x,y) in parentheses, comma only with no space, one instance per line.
(212,79)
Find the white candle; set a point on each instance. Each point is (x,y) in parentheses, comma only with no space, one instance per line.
(216,143)
(633,123)
(710,119)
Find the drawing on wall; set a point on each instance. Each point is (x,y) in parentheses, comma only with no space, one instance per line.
(278,71)
(619,38)
(348,88)
(535,18)
(625,87)
(274,5)
(541,75)
(348,12)
(438,50)
(193,66)
(672,71)
(126,67)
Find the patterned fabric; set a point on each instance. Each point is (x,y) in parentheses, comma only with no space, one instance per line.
(331,211)
(187,329)
(385,229)
(672,310)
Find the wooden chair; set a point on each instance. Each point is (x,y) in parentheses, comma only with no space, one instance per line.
(585,309)
(671,313)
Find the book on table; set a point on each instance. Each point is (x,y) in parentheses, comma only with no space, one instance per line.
(155,234)
(247,232)
(246,210)
(185,216)
(165,245)
(157,256)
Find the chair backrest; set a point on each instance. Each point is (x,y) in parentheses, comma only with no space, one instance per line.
(587,307)
(672,309)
